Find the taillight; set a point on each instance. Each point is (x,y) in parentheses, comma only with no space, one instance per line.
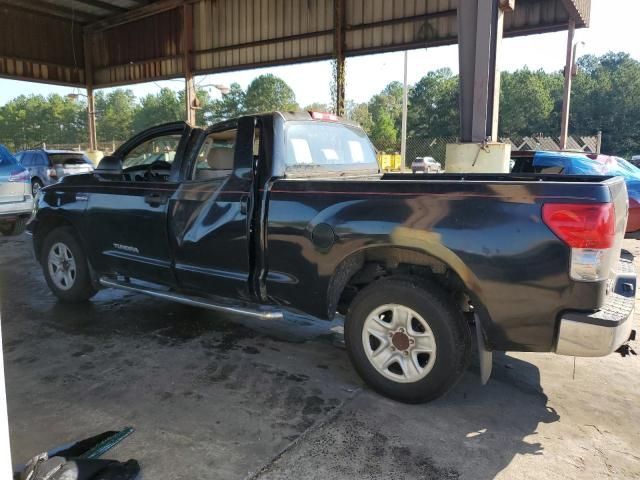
(582,225)
(589,229)
(19,176)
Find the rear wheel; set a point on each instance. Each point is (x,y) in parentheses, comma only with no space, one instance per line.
(65,266)
(36,185)
(406,340)
(14,227)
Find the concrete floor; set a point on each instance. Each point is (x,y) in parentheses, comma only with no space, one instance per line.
(229,398)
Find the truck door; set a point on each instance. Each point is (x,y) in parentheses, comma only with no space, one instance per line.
(128,212)
(210,214)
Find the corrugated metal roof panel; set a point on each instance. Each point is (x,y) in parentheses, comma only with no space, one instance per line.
(24,54)
(375,25)
(238,34)
(147,49)
(147,43)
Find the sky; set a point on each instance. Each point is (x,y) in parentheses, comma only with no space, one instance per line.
(613,28)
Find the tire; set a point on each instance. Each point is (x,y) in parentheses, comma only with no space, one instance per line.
(412,374)
(36,185)
(13,228)
(74,283)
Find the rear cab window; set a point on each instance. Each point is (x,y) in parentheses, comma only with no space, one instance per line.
(327,144)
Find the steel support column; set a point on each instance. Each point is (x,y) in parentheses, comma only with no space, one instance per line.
(190,97)
(339,48)
(480,26)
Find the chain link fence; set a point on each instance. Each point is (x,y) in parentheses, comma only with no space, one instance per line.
(436,147)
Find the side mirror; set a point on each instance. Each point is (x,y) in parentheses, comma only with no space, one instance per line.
(109,165)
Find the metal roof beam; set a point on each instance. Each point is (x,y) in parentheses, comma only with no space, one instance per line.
(46,8)
(106,6)
(146,10)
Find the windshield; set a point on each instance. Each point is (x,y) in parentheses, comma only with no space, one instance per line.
(68,159)
(326,144)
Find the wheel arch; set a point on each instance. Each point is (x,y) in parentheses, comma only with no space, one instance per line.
(46,225)
(373,263)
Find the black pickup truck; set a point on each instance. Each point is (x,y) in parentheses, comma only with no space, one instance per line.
(288,212)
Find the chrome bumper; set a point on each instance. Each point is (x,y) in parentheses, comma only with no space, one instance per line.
(600,333)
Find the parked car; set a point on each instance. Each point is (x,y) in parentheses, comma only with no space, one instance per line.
(287,211)
(16,202)
(576,163)
(425,165)
(635,161)
(48,166)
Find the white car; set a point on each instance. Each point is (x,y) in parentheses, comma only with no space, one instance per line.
(425,165)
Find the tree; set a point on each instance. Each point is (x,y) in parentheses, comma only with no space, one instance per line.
(317,107)
(165,106)
(360,114)
(525,103)
(267,93)
(115,114)
(231,105)
(434,106)
(606,97)
(385,109)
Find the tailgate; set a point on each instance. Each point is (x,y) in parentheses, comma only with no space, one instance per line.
(620,199)
(11,192)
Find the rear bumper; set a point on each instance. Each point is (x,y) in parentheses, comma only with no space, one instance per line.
(9,211)
(596,334)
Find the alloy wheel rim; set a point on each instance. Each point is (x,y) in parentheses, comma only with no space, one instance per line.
(399,343)
(62,266)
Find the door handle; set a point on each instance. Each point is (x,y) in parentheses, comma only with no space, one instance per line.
(244,204)
(155,199)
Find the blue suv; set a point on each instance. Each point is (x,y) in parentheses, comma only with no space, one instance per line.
(48,166)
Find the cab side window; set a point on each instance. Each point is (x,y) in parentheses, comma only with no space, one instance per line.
(216,157)
(159,151)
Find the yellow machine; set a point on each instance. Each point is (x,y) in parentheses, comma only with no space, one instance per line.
(390,162)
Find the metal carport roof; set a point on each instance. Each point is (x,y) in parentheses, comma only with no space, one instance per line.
(115,42)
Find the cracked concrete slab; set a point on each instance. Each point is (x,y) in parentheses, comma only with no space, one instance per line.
(212,396)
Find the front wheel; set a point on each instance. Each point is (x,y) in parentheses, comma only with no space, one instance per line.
(406,340)
(65,266)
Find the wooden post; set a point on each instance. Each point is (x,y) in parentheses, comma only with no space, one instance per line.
(91,117)
(568,77)
(338,46)
(91,104)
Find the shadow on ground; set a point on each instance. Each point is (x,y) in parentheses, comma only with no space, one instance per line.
(216,396)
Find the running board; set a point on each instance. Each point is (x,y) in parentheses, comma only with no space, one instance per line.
(193,301)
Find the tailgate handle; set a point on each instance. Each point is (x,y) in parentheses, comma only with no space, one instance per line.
(155,199)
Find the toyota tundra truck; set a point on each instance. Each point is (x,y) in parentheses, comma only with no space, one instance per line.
(283,212)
